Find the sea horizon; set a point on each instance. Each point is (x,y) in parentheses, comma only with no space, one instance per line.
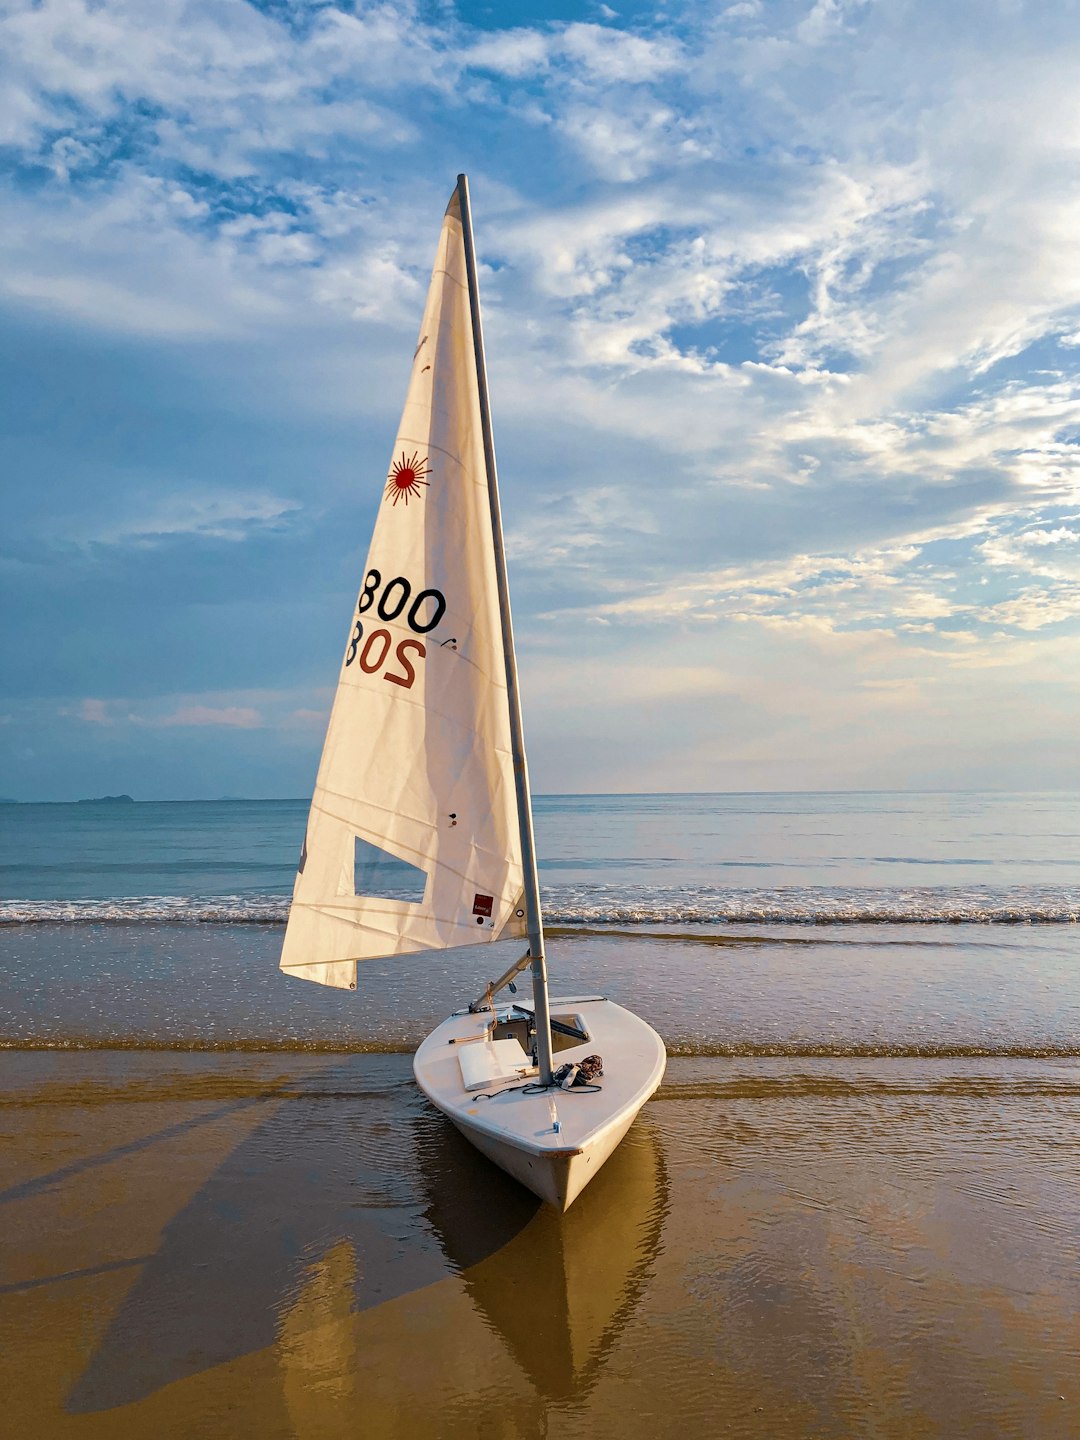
(126,798)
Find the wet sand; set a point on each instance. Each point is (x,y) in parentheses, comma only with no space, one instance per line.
(294,1245)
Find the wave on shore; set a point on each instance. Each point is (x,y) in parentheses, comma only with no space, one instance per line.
(626,905)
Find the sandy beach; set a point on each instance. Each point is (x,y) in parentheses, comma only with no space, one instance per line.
(851,1210)
(294,1245)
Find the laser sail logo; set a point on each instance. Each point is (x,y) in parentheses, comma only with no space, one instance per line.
(406,478)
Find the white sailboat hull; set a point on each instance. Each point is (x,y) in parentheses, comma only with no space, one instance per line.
(511,1120)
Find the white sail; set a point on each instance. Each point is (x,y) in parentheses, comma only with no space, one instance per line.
(417,760)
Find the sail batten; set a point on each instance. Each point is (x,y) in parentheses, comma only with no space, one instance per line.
(418,758)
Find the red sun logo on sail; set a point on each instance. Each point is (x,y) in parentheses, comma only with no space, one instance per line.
(406,477)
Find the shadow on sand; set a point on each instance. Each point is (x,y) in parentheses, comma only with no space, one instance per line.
(355,1158)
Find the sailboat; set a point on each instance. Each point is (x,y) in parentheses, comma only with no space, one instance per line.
(420,835)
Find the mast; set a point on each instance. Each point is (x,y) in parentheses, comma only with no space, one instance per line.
(533,918)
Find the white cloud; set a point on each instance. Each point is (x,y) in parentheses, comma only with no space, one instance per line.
(232,710)
(826,20)
(129,260)
(510,52)
(231,81)
(1035,609)
(120,712)
(208,516)
(613,56)
(232,717)
(1053,554)
(595,54)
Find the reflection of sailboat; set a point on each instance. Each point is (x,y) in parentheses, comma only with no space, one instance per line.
(276,1257)
(211,1291)
(420,835)
(316,1344)
(558,1291)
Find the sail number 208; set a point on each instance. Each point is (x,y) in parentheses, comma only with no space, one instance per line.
(372,649)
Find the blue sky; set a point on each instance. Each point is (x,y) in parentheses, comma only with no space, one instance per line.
(782,305)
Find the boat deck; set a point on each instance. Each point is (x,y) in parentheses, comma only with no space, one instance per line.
(552,1140)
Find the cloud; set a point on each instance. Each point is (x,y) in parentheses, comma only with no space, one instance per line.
(511,52)
(230,517)
(1051,553)
(577,54)
(161,715)
(233,717)
(227,80)
(312,720)
(1035,609)
(614,56)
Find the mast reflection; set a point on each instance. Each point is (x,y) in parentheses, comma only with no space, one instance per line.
(557,1290)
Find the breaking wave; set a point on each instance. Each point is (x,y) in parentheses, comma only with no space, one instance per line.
(598,905)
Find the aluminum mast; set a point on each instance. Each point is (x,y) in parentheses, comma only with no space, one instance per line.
(533,918)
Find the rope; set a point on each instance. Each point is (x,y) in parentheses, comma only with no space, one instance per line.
(533,1087)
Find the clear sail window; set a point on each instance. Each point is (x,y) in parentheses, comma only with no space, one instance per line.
(384,877)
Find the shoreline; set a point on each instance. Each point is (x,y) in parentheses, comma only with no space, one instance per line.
(79,1046)
(972,991)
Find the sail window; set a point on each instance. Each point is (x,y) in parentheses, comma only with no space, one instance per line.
(382,876)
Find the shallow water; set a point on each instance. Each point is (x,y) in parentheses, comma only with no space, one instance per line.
(896,990)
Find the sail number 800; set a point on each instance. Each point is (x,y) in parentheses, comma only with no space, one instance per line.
(425,612)
(395,596)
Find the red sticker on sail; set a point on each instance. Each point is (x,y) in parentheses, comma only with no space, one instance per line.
(406,477)
(482,905)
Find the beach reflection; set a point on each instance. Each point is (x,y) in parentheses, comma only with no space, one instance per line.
(316,1344)
(326,1179)
(553,1292)
(559,1290)
(336,1211)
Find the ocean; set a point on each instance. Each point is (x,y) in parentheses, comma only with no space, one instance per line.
(851,1209)
(843,923)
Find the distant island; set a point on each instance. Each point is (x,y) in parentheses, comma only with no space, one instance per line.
(108,800)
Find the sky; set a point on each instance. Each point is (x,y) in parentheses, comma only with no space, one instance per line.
(782,310)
